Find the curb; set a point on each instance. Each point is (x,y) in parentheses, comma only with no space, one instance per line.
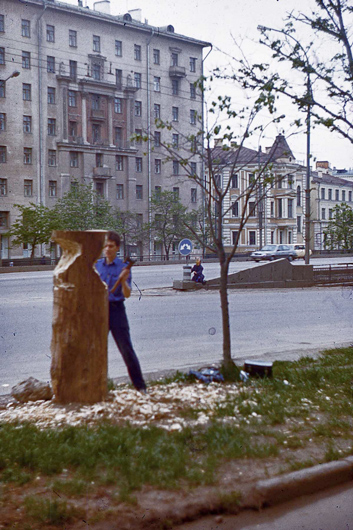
(304,482)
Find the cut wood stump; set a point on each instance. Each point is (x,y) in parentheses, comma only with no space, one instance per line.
(80,320)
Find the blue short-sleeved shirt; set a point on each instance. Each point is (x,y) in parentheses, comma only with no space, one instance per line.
(109,273)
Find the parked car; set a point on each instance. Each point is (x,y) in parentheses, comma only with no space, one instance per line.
(271,252)
(300,250)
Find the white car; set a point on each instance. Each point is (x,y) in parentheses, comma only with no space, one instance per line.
(299,248)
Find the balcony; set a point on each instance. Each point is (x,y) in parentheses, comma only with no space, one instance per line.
(178,72)
(102,172)
(97,114)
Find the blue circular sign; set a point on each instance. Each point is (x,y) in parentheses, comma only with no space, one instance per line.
(185,247)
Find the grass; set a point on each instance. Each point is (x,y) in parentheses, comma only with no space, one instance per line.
(305,403)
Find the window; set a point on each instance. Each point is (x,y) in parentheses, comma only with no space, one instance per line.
(72,98)
(252,237)
(252,209)
(2,89)
(26,60)
(175,113)
(157,139)
(95,101)
(96,43)
(157,166)
(138,164)
(96,71)
(139,192)
(72,38)
(100,188)
(3,187)
(235,235)
(330,215)
(73,69)
(51,95)
(349,193)
(96,132)
(322,193)
(118,109)
(299,196)
(138,108)
(290,183)
(330,194)
(280,208)
(337,195)
(193,168)
(51,126)
(27,124)
(157,111)
(290,208)
(52,188)
(119,163)
(235,209)
(4,219)
(299,224)
(234,182)
(175,87)
(26,92)
(99,160)
(118,136)
(157,84)
(27,156)
(192,91)
(343,195)
(138,133)
(137,80)
(118,48)
(26,28)
(73,129)
(2,23)
(73,159)
(50,33)
(2,55)
(50,64)
(120,191)
(193,194)
(28,188)
(51,158)
(156,57)
(175,167)
(137,52)
(176,192)
(193,117)
(119,79)
(175,140)
(157,192)
(174,59)
(323,213)
(3,122)
(272,209)
(192,64)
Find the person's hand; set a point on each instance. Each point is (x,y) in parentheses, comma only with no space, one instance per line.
(123,276)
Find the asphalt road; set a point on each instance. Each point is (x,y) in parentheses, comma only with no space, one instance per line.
(176,330)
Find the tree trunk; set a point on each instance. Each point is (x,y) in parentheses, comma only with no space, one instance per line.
(223,291)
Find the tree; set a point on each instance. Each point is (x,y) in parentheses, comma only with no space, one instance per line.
(82,208)
(326,61)
(130,228)
(169,220)
(33,226)
(217,167)
(339,233)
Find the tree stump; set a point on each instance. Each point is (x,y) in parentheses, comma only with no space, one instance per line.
(80,320)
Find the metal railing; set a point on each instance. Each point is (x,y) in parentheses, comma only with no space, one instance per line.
(337,273)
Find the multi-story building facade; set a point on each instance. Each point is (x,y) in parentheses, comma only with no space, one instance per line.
(88,82)
(279,217)
(328,190)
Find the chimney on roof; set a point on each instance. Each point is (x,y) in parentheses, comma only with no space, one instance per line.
(103,6)
(322,164)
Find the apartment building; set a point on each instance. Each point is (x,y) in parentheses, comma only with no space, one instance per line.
(86,82)
(279,217)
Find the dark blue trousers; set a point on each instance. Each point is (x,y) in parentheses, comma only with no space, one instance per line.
(119,326)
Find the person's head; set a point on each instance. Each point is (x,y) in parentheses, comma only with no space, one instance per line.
(198,261)
(112,245)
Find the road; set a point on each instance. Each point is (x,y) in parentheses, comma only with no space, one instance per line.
(177,330)
(327,510)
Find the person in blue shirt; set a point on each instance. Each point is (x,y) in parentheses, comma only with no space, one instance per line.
(110,269)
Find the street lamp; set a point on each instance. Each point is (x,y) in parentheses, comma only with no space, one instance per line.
(309,101)
(15,73)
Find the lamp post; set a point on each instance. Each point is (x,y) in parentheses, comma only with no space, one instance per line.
(15,73)
(308,119)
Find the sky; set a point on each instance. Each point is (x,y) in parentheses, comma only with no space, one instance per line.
(230,25)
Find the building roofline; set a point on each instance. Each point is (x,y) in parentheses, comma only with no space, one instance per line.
(116,19)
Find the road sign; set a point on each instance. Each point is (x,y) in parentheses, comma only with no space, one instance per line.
(185,247)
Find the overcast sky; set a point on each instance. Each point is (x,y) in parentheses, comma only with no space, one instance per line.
(223,21)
